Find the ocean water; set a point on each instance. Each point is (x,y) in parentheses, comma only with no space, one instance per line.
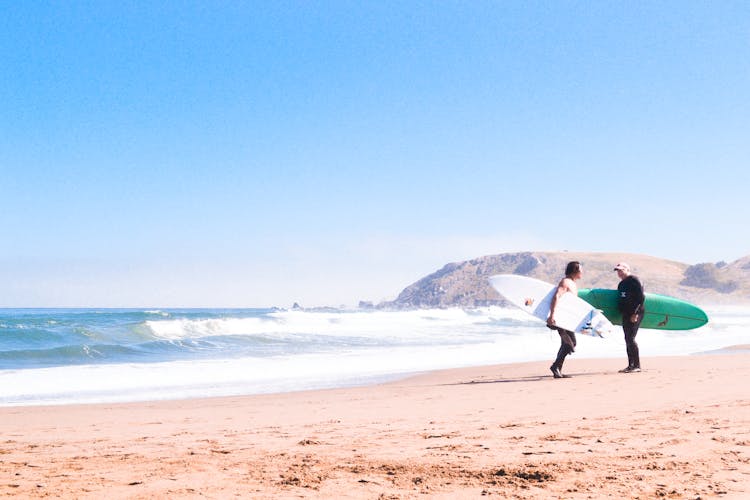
(61,356)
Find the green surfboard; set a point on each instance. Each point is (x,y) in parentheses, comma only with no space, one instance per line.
(662,312)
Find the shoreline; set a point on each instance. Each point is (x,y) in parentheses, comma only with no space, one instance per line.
(365,382)
(135,357)
(679,428)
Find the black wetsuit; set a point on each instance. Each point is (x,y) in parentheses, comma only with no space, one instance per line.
(567,346)
(630,301)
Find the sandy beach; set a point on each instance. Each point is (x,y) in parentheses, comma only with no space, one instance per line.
(679,429)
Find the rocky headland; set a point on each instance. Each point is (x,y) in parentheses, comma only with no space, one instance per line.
(465,284)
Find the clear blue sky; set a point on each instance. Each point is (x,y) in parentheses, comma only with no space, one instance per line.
(261,153)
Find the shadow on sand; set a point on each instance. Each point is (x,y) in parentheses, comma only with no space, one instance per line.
(530,378)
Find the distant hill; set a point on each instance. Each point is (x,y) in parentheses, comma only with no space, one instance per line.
(464,284)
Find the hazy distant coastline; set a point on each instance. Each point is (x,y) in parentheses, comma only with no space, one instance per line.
(464,284)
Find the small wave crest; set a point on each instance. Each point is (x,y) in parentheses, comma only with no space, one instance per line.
(283,324)
(180,329)
(63,356)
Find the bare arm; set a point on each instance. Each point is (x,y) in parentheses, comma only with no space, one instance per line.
(562,288)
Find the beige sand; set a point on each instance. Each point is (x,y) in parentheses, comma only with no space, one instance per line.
(680,429)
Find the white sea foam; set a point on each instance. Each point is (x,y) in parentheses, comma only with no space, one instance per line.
(350,324)
(385,345)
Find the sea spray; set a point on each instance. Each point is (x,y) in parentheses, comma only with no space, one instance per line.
(56,356)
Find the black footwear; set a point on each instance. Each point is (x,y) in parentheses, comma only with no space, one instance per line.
(630,369)
(555,372)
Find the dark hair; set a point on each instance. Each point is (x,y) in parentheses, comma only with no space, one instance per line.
(572,268)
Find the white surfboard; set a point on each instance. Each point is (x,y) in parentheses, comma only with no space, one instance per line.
(535,296)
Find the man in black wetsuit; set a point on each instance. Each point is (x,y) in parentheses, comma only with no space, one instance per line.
(630,303)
